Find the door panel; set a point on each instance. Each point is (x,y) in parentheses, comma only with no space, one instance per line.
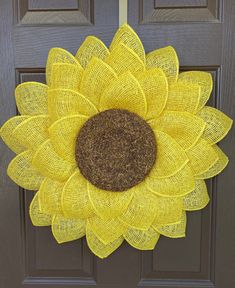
(202,33)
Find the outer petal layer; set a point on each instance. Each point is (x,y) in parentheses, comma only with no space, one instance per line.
(143,240)
(166,59)
(177,185)
(91,47)
(184,127)
(21,171)
(171,158)
(31,98)
(203,79)
(198,198)
(37,217)
(124,93)
(65,229)
(217,124)
(98,247)
(7,133)
(75,200)
(65,102)
(50,164)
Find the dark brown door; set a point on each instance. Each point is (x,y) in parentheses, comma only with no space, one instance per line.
(202,33)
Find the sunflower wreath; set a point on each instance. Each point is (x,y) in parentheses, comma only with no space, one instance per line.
(118,143)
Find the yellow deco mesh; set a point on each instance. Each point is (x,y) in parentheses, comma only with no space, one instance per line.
(121,77)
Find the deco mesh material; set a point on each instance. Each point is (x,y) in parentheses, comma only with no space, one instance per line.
(121,77)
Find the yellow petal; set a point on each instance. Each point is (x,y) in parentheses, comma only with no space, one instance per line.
(171,158)
(217,124)
(123,59)
(7,133)
(75,200)
(31,98)
(65,229)
(107,230)
(203,79)
(126,35)
(141,210)
(91,47)
(201,157)
(168,210)
(218,166)
(198,198)
(50,164)
(63,135)
(166,59)
(98,247)
(183,97)
(66,76)
(50,196)
(108,204)
(58,55)
(37,217)
(97,76)
(184,127)
(173,230)
(33,131)
(177,185)
(21,171)
(142,240)
(154,85)
(64,102)
(124,93)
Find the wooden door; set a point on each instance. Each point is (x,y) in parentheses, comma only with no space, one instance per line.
(202,33)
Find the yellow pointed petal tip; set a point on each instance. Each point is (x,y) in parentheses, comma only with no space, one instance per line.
(37,217)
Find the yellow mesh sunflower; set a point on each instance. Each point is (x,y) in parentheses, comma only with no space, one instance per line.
(118,143)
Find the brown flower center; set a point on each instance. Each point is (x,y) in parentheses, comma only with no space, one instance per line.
(115,150)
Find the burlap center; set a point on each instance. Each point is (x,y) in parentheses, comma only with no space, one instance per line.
(115,150)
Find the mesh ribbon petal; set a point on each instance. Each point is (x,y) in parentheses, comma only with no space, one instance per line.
(31,98)
(91,47)
(107,230)
(123,59)
(58,55)
(98,247)
(166,59)
(155,87)
(50,196)
(201,157)
(66,76)
(203,79)
(21,171)
(97,76)
(7,133)
(217,124)
(218,166)
(141,210)
(33,131)
(125,34)
(50,164)
(198,198)
(168,210)
(124,93)
(171,158)
(184,127)
(75,199)
(37,217)
(64,229)
(64,102)
(63,135)
(183,97)
(173,230)
(143,240)
(108,204)
(179,184)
